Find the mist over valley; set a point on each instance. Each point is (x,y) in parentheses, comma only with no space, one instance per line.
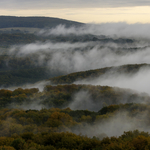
(69,78)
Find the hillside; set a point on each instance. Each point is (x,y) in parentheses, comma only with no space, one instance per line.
(76,97)
(71,78)
(34,22)
(23,70)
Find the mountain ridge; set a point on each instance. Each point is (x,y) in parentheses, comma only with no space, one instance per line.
(35,22)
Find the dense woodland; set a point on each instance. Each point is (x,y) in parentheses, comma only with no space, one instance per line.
(66,141)
(42,129)
(8,39)
(17,71)
(61,96)
(65,115)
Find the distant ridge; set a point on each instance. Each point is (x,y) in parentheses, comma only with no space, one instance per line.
(72,77)
(34,22)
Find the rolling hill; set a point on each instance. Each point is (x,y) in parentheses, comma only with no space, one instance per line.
(61,111)
(34,22)
(71,78)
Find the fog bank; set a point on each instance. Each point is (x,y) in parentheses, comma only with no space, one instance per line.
(116,30)
(139,82)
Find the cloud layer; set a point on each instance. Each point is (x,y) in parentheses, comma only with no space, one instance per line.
(116,30)
(40,4)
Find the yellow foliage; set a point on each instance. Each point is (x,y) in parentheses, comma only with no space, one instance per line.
(140,142)
(86,118)
(5,141)
(7,148)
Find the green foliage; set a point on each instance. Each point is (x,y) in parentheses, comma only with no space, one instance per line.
(20,70)
(17,96)
(6,148)
(18,144)
(15,121)
(66,141)
(45,129)
(61,95)
(27,136)
(130,135)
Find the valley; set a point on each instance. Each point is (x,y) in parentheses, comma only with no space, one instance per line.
(68,85)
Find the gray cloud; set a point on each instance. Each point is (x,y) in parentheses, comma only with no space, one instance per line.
(42,4)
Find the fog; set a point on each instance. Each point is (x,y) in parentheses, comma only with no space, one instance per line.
(114,125)
(47,47)
(40,85)
(86,100)
(74,57)
(93,46)
(116,44)
(96,58)
(34,104)
(115,30)
(106,51)
(82,100)
(139,82)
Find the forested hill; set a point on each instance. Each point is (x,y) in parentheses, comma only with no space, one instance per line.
(70,78)
(34,22)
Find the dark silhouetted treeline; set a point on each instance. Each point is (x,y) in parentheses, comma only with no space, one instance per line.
(20,77)
(34,22)
(16,71)
(7,39)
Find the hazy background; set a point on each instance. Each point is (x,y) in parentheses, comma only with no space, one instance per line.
(84,11)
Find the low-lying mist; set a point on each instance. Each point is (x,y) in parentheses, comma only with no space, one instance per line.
(114,125)
(40,85)
(74,57)
(93,46)
(116,30)
(138,81)
(88,47)
(104,45)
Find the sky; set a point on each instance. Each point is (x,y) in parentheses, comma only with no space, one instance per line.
(86,11)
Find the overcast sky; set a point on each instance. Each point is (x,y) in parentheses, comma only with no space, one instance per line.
(97,11)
